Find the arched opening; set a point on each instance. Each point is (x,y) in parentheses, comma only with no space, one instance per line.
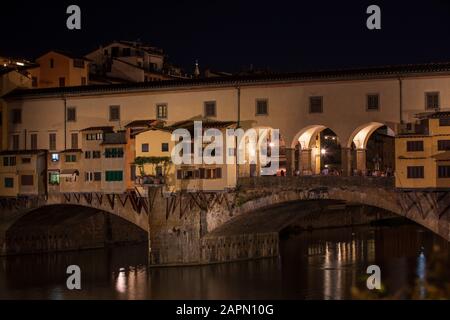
(317,150)
(69,227)
(371,150)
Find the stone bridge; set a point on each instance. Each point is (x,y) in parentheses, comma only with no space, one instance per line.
(207,227)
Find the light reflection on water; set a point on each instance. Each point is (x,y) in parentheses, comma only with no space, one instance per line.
(322,264)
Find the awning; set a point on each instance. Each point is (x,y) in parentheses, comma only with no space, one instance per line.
(69,173)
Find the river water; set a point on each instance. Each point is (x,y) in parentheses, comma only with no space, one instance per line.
(320,264)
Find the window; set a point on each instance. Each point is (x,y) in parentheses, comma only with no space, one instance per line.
(126,52)
(112,176)
(414,146)
(26,180)
(261,107)
(62,82)
(89,176)
(315,105)
(26,160)
(114,51)
(444,172)
(53,178)
(145,147)
(94,136)
(416,172)
(83,81)
(52,141)
(444,122)
(96,155)
(9,161)
(97,176)
(52,63)
(34,82)
(432,100)
(444,145)
(187,174)
(161,111)
(55,157)
(71,158)
(210,109)
(210,173)
(33,138)
(165,147)
(15,142)
(114,113)
(373,102)
(9,182)
(16,116)
(114,153)
(74,140)
(78,63)
(159,171)
(71,114)
(87,154)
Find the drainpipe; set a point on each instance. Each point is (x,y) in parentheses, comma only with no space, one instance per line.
(238,106)
(65,122)
(238,88)
(400,83)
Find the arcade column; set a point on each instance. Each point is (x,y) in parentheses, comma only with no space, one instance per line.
(346,161)
(361,160)
(290,161)
(305,161)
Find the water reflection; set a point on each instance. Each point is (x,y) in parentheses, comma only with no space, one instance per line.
(322,264)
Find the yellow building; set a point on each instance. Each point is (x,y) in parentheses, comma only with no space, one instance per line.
(11,77)
(60,69)
(23,173)
(154,147)
(423,153)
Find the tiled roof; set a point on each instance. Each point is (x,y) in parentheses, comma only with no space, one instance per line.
(72,151)
(66,54)
(22,152)
(206,123)
(233,81)
(103,129)
(433,115)
(141,123)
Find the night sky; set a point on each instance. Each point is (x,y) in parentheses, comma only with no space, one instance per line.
(231,35)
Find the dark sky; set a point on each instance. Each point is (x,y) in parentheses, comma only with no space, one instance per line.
(231,35)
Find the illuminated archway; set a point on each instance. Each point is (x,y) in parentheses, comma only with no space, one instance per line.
(312,148)
(361,135)
(358,143)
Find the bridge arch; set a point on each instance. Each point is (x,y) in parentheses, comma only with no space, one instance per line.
(68,227)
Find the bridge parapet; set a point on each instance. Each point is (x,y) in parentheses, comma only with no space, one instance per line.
(314,181)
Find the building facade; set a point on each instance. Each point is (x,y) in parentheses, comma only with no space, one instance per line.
(60,69)
(130,61)
(423,153)
(352,103)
